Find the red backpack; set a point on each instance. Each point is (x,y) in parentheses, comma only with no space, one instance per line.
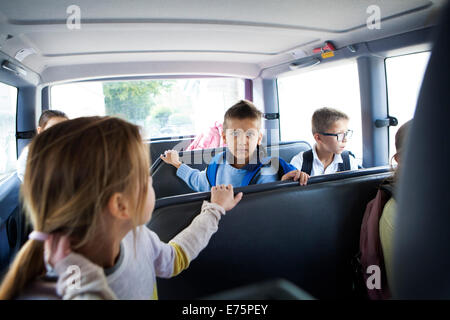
(371,252)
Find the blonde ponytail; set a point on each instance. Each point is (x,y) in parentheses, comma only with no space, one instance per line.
(73,169)
(27,265)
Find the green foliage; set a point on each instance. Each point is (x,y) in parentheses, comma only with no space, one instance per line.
(161,114)
(179,119)
(132,100)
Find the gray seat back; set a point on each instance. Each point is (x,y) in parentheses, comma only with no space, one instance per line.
(422,240)
(12,221)
(304,234)
(166,183)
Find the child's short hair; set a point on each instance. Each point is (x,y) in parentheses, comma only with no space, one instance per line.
(244,109)
(48,114)
(324,118)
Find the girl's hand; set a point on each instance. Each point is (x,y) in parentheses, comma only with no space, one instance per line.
(224,196)
(171,157)
(297,175)
(56,248)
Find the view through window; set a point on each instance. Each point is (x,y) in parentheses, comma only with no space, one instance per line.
(8,106)
(162,107)
(404,76)
(334,87)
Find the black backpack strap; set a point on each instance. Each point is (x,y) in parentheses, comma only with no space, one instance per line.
(388,188)
(345,165)
(307,161)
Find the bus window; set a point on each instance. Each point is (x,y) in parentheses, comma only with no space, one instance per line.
(163,108)
(404,76)
(301,94)
(8,103)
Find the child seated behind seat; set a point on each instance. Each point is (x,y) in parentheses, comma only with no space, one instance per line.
(388,217)
(47,119)
(328,155)
(239,165)
(89,195)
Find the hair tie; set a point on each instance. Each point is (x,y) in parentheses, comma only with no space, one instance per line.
(39,236)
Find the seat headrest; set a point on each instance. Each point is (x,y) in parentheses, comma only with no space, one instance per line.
(422,228)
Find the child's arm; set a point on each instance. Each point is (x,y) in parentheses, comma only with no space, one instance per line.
(193,239)
(195,179)
(79,278)
(297,175)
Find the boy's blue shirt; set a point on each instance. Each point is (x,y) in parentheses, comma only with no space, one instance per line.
(226,174)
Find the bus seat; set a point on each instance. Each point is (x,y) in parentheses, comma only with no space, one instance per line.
(12,221)
(158,147)
(288,149)
(422,240)
(166,183)
(304,234)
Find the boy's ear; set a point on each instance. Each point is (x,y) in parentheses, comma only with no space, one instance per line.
(224,135)
(317,137)
(119,206)
(39,130)
(260,137)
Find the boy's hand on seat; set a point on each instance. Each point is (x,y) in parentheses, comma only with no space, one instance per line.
(296,175)
(224,196)
(171,157)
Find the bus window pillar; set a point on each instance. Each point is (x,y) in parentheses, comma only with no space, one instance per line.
(373,92)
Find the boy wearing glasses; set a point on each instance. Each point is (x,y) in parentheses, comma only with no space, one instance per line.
(330,130)
(240,165)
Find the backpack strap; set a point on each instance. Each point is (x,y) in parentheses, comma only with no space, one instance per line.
(307,161)
(345,165)
(388,188)
(248,178)
(370,242)
(211,169)
(283,168)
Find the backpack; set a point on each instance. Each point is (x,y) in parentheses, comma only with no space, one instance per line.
(210,139)
(371,251)
(211,169)
(308,161)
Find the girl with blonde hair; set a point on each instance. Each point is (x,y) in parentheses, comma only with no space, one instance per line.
(88,194)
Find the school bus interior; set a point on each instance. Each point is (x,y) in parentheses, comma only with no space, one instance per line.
(307,235)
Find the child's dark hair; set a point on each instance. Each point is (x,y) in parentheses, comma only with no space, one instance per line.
(324,118)
(244,109)
(48,114)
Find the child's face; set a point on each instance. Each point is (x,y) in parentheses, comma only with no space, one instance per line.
(330,143)
(242,136)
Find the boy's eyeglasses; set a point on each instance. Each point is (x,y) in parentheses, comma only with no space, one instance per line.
(339,136)
(238,133)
